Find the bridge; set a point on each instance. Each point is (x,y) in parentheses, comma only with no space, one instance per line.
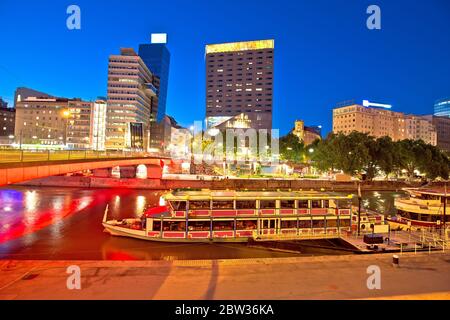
(23,165)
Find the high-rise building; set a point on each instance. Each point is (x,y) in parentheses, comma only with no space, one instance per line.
(239,80)
(378,121)
(442,108)
(7,119)
(131,92)
(442,125)
(156,57)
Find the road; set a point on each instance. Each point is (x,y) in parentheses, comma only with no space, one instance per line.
(332,277)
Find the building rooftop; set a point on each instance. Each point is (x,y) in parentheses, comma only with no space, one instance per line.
(240,46)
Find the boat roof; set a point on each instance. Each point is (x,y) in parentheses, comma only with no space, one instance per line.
(252,195)
(438,191)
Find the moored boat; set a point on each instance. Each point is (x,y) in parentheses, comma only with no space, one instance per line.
(423,209)
(237,216)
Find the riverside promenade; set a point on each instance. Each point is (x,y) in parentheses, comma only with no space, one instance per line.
(419,276)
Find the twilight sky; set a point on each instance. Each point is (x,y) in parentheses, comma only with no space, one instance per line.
(324,52)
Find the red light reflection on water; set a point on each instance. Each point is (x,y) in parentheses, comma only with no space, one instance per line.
(22,213)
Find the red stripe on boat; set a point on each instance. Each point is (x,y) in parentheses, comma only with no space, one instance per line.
(156,211)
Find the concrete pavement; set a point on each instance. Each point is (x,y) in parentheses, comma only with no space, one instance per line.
(420,276)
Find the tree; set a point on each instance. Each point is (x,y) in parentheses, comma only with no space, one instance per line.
(291,149)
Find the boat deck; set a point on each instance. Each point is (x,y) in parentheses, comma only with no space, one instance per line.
(401,241)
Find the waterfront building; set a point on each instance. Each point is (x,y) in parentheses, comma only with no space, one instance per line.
(7,119)
(131,93)
(239,80)
(41,120)
(442,108)
(98,124)
(378,120)
(307,134)
(45,120)
(442,125)
(156,57)
(79,133)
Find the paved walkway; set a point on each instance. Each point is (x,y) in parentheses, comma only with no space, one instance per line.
(421,276)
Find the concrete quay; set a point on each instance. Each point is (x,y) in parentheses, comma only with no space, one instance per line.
(232,184)
(419,276)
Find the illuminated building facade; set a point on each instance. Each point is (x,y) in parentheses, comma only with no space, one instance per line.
(98,124)
(7,119)
(41,121)
(305,134)
(131,90)
(442,108)
(79,132)
(442,125)
(239,80)
(380,121)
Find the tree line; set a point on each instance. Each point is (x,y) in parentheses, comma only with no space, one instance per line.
(359,154)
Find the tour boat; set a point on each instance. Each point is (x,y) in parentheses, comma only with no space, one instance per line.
(423,209)
(237,216)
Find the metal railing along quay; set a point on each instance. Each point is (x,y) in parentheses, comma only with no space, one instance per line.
(26,155)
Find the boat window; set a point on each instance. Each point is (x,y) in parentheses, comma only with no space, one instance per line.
(435,218)
(344,204)
(229,204)
(199,205)
(246,224)
(344,223)
(316,204)
(223,225)
(246,204)
(287,204)
(303,204)
(199,225)
(288,224)
(267,204)
(305,224)
(178,205)
(332,223)
(414,216)
(318,224)
(156,225)
(174,226)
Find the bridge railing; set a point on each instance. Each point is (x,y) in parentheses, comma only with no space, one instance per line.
(16,155)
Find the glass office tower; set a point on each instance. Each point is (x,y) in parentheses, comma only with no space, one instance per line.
(442,108)
(156,57)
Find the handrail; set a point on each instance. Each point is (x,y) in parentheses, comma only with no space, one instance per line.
(29,155)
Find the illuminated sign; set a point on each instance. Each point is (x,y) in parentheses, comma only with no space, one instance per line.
(367,103)
(240,46)
(159,38)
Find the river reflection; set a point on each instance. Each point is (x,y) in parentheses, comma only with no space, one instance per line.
(65,223)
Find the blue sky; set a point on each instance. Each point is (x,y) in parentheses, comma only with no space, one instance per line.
(324,53)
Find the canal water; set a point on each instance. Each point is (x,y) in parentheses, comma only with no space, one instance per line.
(65,223)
